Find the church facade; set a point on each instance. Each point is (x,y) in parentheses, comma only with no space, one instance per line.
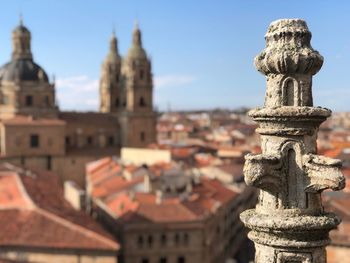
(35,133)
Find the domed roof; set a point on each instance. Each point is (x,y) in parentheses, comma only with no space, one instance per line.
(21,29)
(22,69)
(136,51)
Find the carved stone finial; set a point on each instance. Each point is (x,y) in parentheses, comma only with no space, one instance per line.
(289,224)
(288,50)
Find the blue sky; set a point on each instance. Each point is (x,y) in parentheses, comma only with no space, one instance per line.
(202,51)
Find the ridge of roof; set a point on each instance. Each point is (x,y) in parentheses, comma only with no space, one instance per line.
(73,226)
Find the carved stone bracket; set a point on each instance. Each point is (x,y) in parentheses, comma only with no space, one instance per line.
(323,173)
(263,171)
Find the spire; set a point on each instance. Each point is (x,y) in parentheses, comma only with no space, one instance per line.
(113,43)
(136,35)
(20,19)
(21,41)
(137,51)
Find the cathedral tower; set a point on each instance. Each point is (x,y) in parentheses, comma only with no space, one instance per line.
(110,84)
(138,119)
(138,76)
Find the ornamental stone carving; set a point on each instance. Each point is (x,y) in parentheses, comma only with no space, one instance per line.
(289,223)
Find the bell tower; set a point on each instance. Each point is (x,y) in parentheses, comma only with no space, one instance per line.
(138,120)
(138,76)
(110,84)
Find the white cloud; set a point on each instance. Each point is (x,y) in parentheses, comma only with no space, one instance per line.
(92,102)
(77,93)
(82,82)
(81,92)
(173,80)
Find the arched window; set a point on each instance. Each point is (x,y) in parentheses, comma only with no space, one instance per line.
(140,241)
(29,100)
(142,136)
(163,240)
(176,239)
(89,140)
(150,241)
(290,93)
(142,74)
(142,102)
(186,239)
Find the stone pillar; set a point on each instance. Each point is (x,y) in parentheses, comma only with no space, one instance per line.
(289,224)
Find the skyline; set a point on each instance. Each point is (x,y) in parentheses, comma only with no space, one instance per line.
(202,55)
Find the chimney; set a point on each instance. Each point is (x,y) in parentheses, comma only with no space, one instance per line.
(159,197)
(147,183)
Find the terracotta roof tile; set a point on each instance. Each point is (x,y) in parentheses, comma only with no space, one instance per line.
(127,200)
(35,213)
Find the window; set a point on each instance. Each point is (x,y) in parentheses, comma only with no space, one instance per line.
(116,103)
(110,140)
(89,140)
(49,163)
(163,260)
(176,239)
(29,100)
(34,141)
(47,101)
(67,141)
(140,241)
(142,136)
(186,239)
(141,74)
(23,161)
(181,259)
(163,240)
(142,102)
(150,241)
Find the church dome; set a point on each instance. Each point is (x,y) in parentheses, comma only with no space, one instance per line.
(22,66)
(24,70)
(21,29)
(136,51)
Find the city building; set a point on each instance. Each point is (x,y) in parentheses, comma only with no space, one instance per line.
(168,214)
(39,225)
(35,133)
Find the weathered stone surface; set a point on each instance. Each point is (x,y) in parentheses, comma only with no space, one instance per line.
(289,223)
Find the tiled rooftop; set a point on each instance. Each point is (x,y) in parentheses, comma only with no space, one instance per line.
(129,199)
(34,213)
